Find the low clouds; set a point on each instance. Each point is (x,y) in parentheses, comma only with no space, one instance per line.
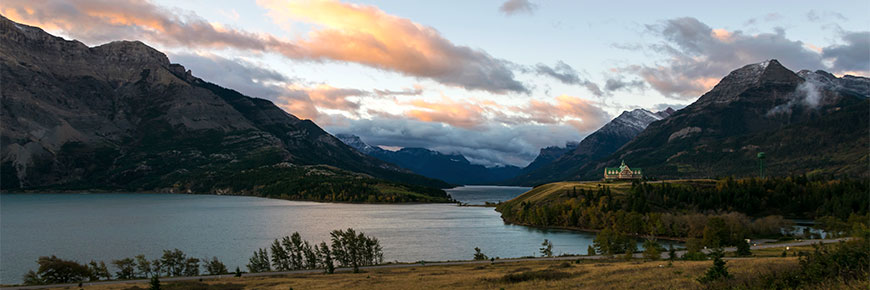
(567,75)
(852,56)
(513,7)
(698,56)
(497,145)
(341,32)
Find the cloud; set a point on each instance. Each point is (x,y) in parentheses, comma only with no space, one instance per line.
(248,78)
(493,145)
(854,55)
(616,84)
(341,32)
(512,7)
(567,75)
(818,16)
(698,56)
(416,90)
(99,21)
(367,35)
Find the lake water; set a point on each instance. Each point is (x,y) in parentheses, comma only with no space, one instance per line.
(113,226)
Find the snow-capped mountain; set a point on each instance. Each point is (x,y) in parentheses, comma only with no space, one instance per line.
(599,144)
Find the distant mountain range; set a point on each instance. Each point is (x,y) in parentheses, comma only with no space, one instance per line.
(552,166)
(120,116)
(452,168)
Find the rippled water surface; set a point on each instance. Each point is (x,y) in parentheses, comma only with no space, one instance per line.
(114,226)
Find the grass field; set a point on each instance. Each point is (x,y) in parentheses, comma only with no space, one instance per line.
(587,274)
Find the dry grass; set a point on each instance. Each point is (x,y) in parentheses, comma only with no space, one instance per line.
(514,275)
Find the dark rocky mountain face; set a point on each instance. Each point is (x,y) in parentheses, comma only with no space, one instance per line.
(548,155)
(809,122)
(120,116)
(453,168)
(599,144)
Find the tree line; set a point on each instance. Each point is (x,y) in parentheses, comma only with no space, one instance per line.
(734,209)
(348,248)
(173,263)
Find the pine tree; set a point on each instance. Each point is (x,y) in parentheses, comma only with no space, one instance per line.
(546,248)
(478,255)
(155,283)
(590,251)
(718,270)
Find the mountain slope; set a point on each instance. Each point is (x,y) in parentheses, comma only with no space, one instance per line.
(453,168)
(809,122)
(597,145)
(121,117)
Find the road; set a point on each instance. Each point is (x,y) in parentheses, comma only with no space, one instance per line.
(391,266)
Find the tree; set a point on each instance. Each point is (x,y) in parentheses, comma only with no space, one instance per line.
(590,251)
(325,257)
(54,270)
(546,248)
(126,268)
(99,271)
(238,272)
(354,250)
(718,270)
(155,283)
(191,267)
(672,253)
(31,278)
(215,267)
(156,267)
(280,257)
(693,250)
(143,266)
(259,262)
(743,248)
(478,255)
(716,233)
(651,250)
(173,262)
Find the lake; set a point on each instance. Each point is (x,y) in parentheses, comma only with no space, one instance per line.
(114,226)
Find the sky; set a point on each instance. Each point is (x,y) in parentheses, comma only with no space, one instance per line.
(492,80)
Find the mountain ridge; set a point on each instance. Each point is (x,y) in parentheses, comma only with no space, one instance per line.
(120,116)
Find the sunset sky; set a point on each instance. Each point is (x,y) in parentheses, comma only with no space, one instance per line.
(492,80)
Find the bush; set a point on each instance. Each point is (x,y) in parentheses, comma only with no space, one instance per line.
(743,248)
(651,250)
(534,275)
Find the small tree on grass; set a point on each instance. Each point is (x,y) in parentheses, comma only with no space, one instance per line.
(478,255)
(672,253)
(325,257)
(546,248)
(743,248)
(590,251)
(238,272)
(155,283)
(718,270)
(259,262)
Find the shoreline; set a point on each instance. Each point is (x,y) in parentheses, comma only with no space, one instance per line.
(37,192)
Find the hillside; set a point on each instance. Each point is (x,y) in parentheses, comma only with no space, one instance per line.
(806,122)
(121,117)
(452,168)
(597,145)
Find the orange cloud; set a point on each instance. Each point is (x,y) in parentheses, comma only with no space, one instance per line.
(344,32)
(580,113)
(308,102)
(369,36)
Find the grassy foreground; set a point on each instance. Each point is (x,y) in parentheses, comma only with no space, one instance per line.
(587,274)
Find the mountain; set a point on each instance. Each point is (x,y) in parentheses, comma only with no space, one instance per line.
(805,122)
(599,144)
(548,155)
(120,116)
(453,168)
